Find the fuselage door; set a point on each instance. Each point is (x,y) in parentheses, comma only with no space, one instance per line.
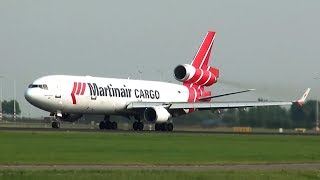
(57,90)
(57,95)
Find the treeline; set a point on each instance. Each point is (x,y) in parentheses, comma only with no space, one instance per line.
(7,107)
(265,117)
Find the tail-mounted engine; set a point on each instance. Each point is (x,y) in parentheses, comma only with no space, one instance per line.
(189,74)
(156,114)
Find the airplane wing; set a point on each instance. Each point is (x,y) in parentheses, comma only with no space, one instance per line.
(217,105)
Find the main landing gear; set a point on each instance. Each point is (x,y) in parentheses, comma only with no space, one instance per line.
(163,126)
(138,126)
(107,124)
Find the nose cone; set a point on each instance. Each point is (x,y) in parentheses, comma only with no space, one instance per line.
(28,94)
(33,97)
(37,98)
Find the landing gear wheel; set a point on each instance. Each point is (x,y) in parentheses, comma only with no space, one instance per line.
(102,125)
(164,127)
(55,125)
(135,126)
(169,126)
(157,127)
(108,125)
(114,125)
(140,126)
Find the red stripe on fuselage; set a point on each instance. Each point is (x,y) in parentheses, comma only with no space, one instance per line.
(78,88)
(72,93)
(83,88)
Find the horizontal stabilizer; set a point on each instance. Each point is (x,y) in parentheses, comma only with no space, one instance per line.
(221,95)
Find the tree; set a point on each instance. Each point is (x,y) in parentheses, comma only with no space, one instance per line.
(304,116)
(297,115)
(230,117)
(7,107)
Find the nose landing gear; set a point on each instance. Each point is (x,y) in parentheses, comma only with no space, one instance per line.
(55,124)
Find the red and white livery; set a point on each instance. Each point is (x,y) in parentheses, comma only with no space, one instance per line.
(69,97)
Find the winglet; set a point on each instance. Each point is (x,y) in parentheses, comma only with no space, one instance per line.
(303,98)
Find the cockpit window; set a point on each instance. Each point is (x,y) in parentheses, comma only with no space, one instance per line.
(33,86)
(41,86)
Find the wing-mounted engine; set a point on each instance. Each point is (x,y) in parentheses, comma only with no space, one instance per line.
(156,114)
(69,117)
(189,74)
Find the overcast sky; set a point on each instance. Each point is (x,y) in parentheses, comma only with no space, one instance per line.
(272,45)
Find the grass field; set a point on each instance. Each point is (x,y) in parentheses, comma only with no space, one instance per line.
(152,148)
(157,175)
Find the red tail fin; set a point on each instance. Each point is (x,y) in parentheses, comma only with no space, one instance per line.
(204,75)
(201,59)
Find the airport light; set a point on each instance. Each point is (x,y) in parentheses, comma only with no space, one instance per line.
(14,100)
(1,84)
(316,77)
(317,116)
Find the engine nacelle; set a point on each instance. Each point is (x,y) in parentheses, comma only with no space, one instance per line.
(184,72)
(156,114)
(188,73)
(70,117)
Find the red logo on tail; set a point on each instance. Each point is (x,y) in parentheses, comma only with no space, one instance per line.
(78,89)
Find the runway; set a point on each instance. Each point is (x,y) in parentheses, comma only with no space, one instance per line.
(152,131)
(238,167)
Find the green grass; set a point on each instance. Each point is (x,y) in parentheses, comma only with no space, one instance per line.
(157,175)
(152,148)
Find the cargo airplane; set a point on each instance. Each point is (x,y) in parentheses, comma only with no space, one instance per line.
(67,98)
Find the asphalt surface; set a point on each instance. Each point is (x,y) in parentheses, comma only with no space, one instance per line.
(241,167)
(152,131)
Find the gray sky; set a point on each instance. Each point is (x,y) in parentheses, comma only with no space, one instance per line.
(272,46)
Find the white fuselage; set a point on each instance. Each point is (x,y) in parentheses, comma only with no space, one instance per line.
(96,95)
